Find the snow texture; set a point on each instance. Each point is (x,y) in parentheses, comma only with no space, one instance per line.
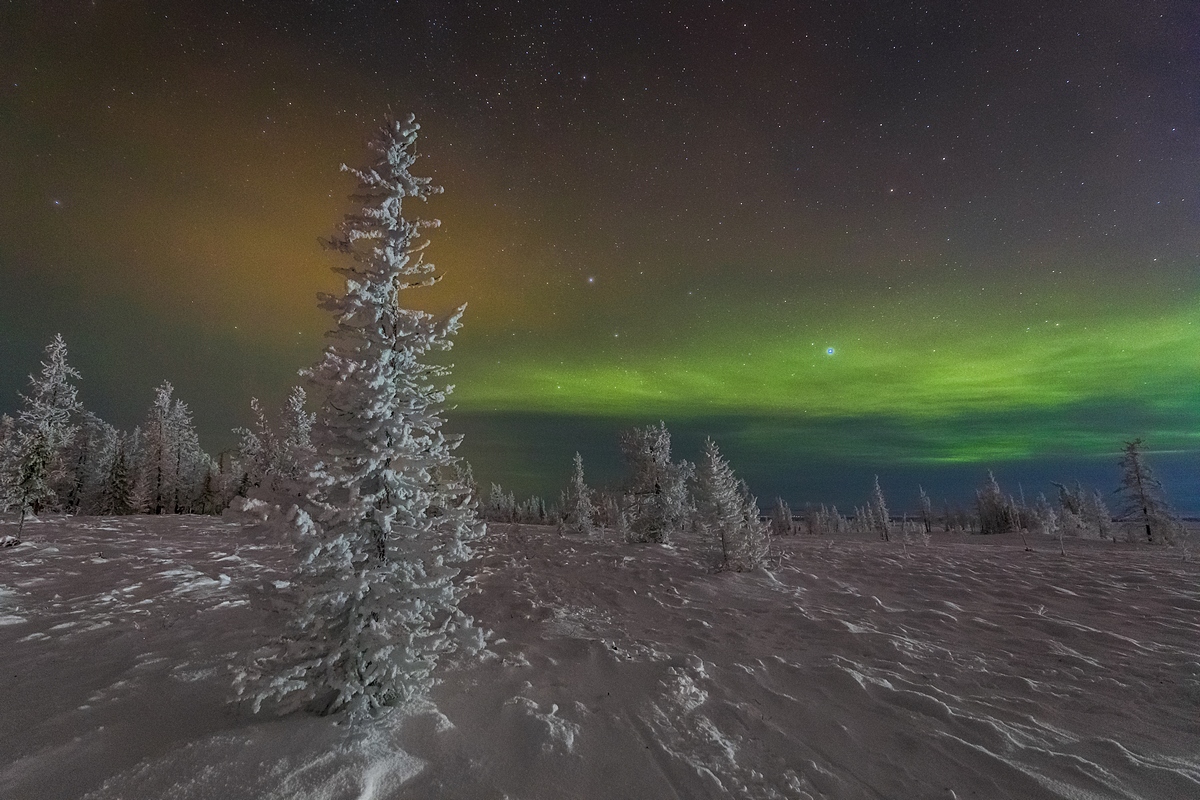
(967,668)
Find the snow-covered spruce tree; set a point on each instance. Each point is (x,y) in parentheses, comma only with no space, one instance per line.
(501,506)
(532,511)
(378,573)
(879,515)
(272,462)
(1144,501)
(116,495)
(926,509)
(191,462)
(156,459)
(87,460)
(295,435)
(781,519)
(656,502)
(996,512)
(257,452)
(578,515)
(43,430)
(726,515)
(1045,520)
(1096,516)
(8,449)
(171,465)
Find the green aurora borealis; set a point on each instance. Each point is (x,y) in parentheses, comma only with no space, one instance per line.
(989,213)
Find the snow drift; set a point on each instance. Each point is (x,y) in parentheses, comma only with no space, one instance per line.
(848,669)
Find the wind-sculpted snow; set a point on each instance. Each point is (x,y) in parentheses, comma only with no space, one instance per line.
(848,669)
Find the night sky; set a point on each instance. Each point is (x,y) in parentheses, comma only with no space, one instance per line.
(844,238)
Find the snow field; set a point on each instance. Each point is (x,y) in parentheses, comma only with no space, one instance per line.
(850,669)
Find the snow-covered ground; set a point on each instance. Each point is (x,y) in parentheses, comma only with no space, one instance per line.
(850,669)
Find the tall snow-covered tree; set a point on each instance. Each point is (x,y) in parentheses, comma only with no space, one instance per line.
(1144,501)
(727,515)
(116,495)
(43,430)
(191,462)
(171,464)
(379,573)
(8,450)
(156,460)
(656,502)
(86,463)
(578,513)
(879,515)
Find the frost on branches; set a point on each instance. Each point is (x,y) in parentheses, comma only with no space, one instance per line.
(381,538)
(727,515)
(32,456)
(655,506)
(578,513)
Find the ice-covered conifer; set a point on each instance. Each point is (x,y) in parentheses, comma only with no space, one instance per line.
(577,511)
(171,465)
(501,506)
(656,503)
(86,463)
(1145,502)
(43,429)
(880,517)
(781,518)
(926,509)
(1044,518)
(727,515)
(295,439)
(191,462)
(156,467)
(258,452)
(116,495)
(996,512)
(1096,516)
(379,573)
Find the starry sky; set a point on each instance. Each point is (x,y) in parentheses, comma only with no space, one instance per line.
(843,238)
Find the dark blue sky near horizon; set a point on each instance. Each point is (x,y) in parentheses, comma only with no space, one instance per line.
(842,238)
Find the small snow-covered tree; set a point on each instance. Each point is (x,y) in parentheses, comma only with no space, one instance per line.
(1045,519)
(532,511)
(879,515)
(727,515)
(296,424)
(43,429)
(1144,501)
(656,501)
(501,506)
(258,452)
(1096,516)
(781,519)
(926,509)
(996,512)
(272,462)
(578,514)
(379,572)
